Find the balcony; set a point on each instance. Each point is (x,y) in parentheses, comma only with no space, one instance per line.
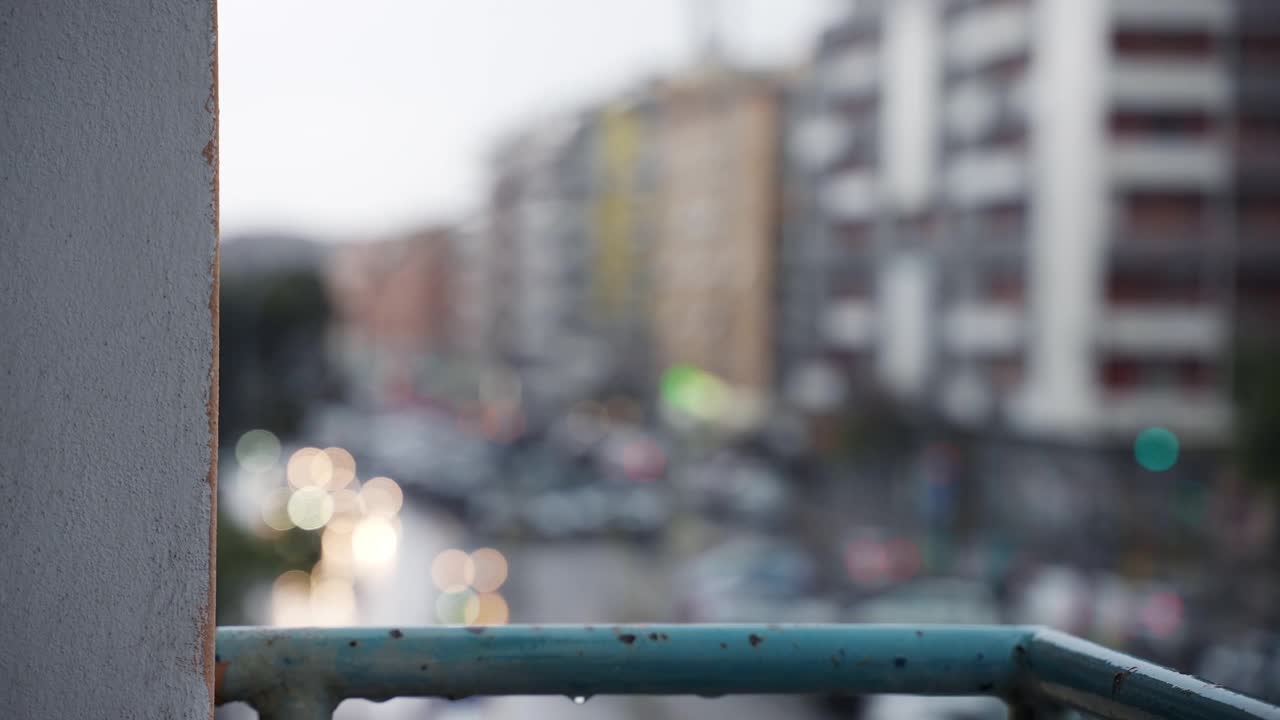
(851,195)
(1198,415)
(287,674)
(982,177)
(988,33)
(854,71)
(1171,164)
(1173,14)
(1163,330)
(982,328)
(850,324)
(1170,84)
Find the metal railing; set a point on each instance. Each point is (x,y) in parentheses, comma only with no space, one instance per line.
(305,673)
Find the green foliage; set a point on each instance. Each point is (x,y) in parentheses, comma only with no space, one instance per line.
(246,560)
(1257,389)
(272,351)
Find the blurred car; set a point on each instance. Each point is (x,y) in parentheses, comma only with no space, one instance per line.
(630,453)
(735,487)
(753,580)
(1054,595)
(919,707)
(930,600)
(430,456)
(1249,664)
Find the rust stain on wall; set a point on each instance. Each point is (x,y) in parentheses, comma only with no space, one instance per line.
(212,669)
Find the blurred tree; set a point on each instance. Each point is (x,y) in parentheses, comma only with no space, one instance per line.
(275,312)
(273,364)
(1257,401)
(246,560)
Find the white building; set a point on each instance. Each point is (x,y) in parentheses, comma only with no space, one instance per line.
(1039,210)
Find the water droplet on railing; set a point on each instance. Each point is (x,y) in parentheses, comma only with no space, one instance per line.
(579,699)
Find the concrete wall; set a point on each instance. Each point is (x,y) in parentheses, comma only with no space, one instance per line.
(107,365)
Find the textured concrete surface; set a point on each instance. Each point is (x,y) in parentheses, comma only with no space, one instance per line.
(108,319)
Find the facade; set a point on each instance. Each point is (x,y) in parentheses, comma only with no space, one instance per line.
(394,313)
(622,200)
(716,230)
(540,243)
(473,291)
(803,377)
(1050,221)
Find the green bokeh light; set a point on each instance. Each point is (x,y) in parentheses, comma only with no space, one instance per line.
(694,391)
(1156,449)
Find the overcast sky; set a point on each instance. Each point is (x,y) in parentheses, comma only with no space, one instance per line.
(349,119)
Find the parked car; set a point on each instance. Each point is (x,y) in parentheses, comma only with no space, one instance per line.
(919,707)
(1249,664)
(738,488)
(930,600)
(753,579)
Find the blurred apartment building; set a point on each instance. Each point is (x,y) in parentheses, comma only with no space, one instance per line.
(637,235)
(472,292)
(622,207)
(1048,215)
(394,315)
(715,248)
(539,234)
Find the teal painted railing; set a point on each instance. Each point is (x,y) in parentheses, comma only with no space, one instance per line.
(304,673)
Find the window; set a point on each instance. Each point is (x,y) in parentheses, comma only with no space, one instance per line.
(1160,125)
(1260,49)
(1258,134)
(1259,216)
(1163,45)
(1006,288)
(1126,374)
(852,236)
(1006,373)
(1140,286)
(1120,374)
(1003,220)
(1163,215)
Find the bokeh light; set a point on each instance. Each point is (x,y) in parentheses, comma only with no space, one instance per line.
(1162,614)
(1156,449)
(335,549)
(343,467)
(310,508)
(491,609)
(275,509)
(382,496)
(291,599)
(348,509)
(374,544)
(457,608)
(310,467)
(258,450)
(453,571)
(333,601)
(489,570)
(695,392)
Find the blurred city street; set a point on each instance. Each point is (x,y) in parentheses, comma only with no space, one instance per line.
(909,311)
